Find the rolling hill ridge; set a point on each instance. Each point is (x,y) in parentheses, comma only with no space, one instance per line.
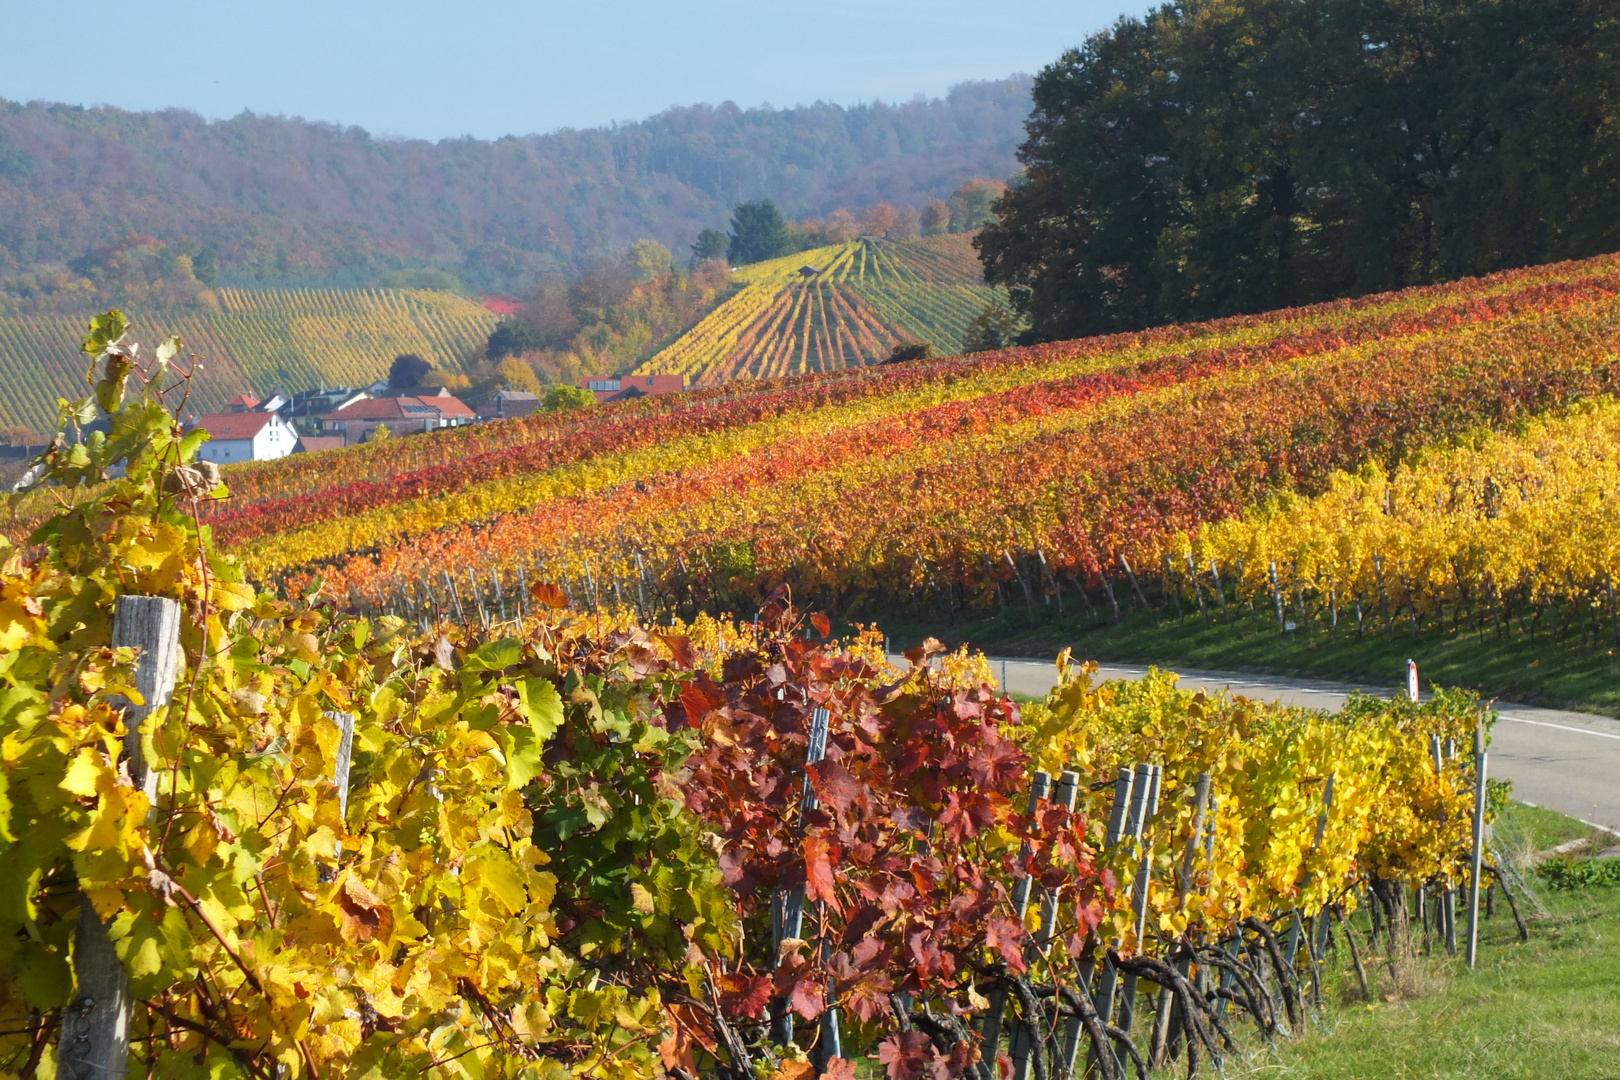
(831,308)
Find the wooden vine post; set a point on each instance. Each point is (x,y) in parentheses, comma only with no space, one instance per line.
(790,924)
(1040,783)
(1479,841)
(340,768)
(1143,786)
(95,1031)
(1139,901)
(1023,1038)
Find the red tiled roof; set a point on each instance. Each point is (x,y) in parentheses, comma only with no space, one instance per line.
(308,444)
(244,425)
(243,400)
(449,406)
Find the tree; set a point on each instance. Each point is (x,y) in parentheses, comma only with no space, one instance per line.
(1208,160)
(649,259)
(881,220)
(711,244)
(380,433)
(936,217)
(206,266)
(993,328)
(841,227)
(421,277)
(971,205)
(511,337)
(407,371)
(517,375)
(562,397)
(758,232)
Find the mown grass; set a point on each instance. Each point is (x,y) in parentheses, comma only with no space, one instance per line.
(1549,1008)
(1545,671)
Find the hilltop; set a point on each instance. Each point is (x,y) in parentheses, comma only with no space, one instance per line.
(835,307)
(264,201)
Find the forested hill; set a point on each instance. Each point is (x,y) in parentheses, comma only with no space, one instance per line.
(260,200)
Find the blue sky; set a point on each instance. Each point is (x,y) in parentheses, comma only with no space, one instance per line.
(497,67)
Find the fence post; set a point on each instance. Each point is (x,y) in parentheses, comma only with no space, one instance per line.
(1220,589)
(340,770)
(792,921)
(1167,1013)
(1139,789)
(1127,1004)
(1022,1046)
(95,1030)
(1479,840)
(1039,784)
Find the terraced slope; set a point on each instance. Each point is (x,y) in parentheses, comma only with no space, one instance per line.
(973,480)
(862,299)
(258,340)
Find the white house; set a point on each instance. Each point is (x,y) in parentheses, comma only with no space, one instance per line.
(245,436)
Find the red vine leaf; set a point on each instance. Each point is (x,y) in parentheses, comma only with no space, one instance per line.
(818,872)
(906,1054)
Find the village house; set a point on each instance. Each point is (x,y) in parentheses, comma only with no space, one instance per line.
(402,415)
(250,435)
(623,387)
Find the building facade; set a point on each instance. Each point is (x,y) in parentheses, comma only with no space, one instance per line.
(245,436)
(622,387)
(357,423)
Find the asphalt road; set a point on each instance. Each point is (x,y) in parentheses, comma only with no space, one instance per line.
(1566,761)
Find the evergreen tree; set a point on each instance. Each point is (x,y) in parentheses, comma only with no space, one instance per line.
(711,244)
(757,233)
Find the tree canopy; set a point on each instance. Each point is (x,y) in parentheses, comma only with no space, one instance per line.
(261,201)
(1214,158)
(710,244)
(758,232)
(407,371)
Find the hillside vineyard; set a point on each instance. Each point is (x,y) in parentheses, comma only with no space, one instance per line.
(836,307)
(948,483)
(257,341)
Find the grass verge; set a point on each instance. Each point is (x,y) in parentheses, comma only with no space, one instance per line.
(1547,1008)
(1540,672)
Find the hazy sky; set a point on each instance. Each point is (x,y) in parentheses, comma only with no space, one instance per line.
(498,67)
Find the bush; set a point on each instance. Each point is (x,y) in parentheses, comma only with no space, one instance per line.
(1566,875)
(562,397)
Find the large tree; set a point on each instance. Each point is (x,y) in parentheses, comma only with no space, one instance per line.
(758,232)
(1217,157)
(407,371)
(710,244)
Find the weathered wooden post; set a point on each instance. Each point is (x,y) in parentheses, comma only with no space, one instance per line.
(1160,1042)
(95,1029)
(1127,1004)
(1119,820)
(340,769)
(1022,1044)
(1479,840)
(792,904)
(1039,784)
(1129,790)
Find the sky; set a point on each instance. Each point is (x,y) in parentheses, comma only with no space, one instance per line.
(435,69)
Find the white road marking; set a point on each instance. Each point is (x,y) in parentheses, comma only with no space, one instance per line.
(1560,727)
